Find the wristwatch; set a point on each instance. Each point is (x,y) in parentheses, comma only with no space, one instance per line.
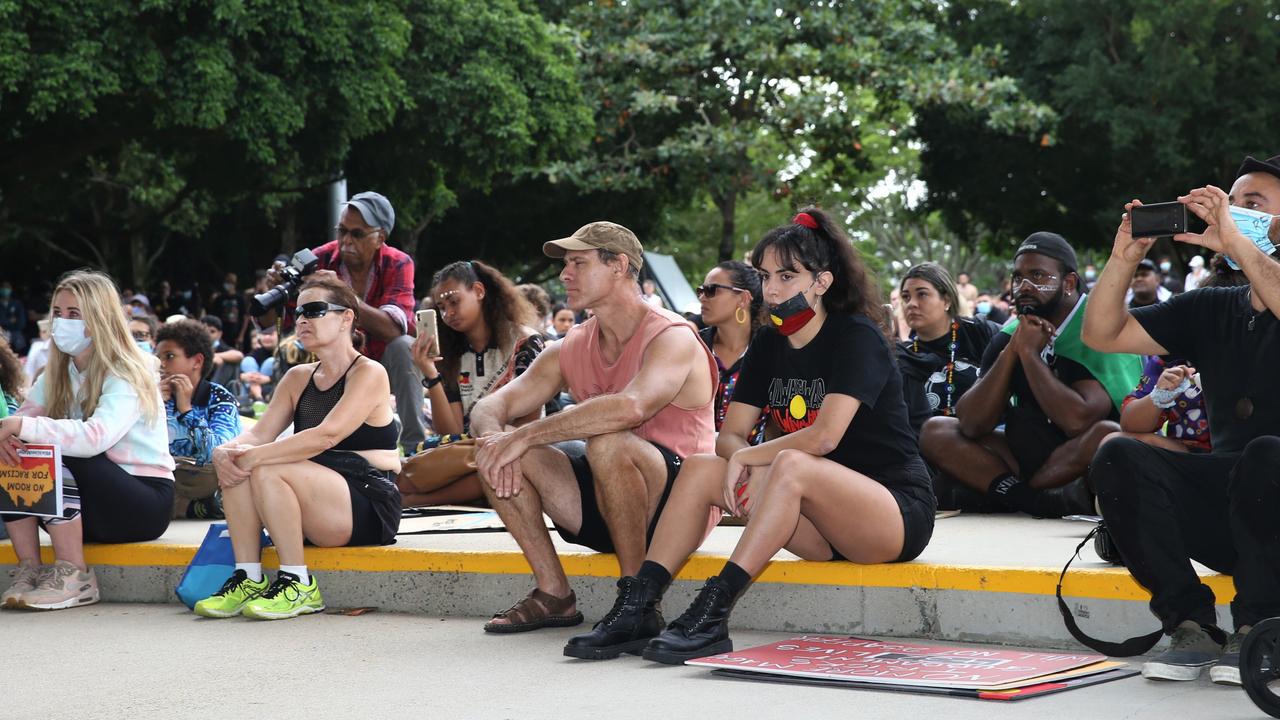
(429,383)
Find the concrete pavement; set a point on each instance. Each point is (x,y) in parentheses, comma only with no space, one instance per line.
(138,662)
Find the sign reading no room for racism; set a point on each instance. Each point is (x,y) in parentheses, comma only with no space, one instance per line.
(33,487)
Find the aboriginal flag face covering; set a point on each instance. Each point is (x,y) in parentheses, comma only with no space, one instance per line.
(788,317)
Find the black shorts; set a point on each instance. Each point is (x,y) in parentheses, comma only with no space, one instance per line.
(1031,439)
(375,499)
(912,489)
(594,533)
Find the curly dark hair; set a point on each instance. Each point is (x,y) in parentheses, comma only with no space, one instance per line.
(745,277)
(192,337)
(827,248)
(504,310)
(12,374)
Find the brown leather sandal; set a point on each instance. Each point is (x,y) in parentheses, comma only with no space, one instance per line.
(536,610)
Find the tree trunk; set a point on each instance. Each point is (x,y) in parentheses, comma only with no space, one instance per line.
(138,265)
(288,229)
(727,204)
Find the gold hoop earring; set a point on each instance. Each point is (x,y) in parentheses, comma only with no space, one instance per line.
(741,315)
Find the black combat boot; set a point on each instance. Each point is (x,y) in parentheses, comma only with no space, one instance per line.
(634,620)
(702,630)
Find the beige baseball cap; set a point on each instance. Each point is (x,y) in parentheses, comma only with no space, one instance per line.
(599,236)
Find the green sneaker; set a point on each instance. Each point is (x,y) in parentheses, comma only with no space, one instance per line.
(285,598)
(231,599)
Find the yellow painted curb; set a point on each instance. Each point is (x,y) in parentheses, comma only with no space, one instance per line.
(1105,584)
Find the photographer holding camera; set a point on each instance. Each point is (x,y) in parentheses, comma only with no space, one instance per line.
(382,278)
(1165,508)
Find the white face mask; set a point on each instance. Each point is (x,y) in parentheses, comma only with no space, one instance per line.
(69,336)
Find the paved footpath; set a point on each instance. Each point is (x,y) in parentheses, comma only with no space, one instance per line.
(155,661)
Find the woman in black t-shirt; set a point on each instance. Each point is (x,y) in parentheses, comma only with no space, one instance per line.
(733,309)
(843,479)
(940,361)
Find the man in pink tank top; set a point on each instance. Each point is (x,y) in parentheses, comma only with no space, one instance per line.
(602,469)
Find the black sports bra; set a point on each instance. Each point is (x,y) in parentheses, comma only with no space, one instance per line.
(314,405)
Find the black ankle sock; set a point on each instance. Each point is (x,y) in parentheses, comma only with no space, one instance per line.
(735,577)
(653,572)
(1015,494)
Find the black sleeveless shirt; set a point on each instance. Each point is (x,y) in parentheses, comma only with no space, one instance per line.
(314,405)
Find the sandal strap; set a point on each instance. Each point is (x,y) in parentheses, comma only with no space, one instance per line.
(537,605)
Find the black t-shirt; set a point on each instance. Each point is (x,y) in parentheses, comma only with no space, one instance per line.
(1210,327)
(1067,371)
(848,356)
(924,369)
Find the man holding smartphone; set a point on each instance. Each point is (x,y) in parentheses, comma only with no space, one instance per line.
(1164,508)
(382,278)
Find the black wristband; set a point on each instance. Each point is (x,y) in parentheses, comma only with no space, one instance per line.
(429,383)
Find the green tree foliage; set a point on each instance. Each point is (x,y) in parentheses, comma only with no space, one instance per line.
(731,96)
(1153,96)
(130,129)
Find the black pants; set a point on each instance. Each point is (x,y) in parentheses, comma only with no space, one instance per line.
(1165,509)
(116,507)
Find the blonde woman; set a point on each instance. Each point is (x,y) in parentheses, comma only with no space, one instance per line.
(99,401)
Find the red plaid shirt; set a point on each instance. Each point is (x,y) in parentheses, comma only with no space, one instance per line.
(390,287)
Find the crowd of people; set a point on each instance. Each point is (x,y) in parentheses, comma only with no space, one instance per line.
(832,421)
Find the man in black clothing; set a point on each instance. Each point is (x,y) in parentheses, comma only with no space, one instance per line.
(1056,402)
(1146,287)
(1165,509)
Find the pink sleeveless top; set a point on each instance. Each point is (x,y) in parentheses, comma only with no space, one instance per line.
(683,431)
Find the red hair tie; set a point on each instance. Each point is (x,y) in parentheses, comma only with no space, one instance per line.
(806,220)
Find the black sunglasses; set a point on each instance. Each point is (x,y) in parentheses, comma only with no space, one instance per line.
(318,309)
(356,234)
(710,289)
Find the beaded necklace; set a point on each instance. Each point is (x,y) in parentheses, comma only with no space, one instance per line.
(948,409)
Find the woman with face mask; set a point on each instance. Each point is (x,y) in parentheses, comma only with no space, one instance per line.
(842,479)
(487,336)
(98,400)
(940,360)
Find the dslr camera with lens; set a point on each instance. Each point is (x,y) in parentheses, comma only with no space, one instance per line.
(303,263)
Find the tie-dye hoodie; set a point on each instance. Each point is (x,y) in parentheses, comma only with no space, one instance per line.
(116,427)
(214,418)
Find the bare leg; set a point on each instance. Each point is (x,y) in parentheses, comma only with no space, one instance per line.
(298,500)
(699,486)
(68,542)
(25,536)
(243,522)
(630,475)
(1160,441)
(975,463)
(463,491)
(550,487)
(1071,459)
(848,510)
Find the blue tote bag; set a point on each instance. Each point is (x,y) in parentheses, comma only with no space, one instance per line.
(212,565)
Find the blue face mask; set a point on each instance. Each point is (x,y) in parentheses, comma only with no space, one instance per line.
(983,307)
(1255,226)
(145,346)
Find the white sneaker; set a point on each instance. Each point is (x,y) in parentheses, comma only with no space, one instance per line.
(24,581)
(62,585)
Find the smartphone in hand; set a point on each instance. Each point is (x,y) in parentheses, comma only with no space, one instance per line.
(426,320)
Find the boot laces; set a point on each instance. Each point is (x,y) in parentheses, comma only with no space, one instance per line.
(700,611)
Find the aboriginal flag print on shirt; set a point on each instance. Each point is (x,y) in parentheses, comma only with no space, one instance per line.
(848,356)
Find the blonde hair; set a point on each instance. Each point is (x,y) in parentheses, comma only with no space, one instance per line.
(113,351)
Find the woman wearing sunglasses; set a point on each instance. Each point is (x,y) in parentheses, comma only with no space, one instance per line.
(488,336)
(330,483)
(842,480)
(732,310)
(98,401)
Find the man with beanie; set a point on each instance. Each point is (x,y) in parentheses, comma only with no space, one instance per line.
(1165,509)
(1056,398)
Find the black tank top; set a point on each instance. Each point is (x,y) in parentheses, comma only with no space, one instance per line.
(314,405)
